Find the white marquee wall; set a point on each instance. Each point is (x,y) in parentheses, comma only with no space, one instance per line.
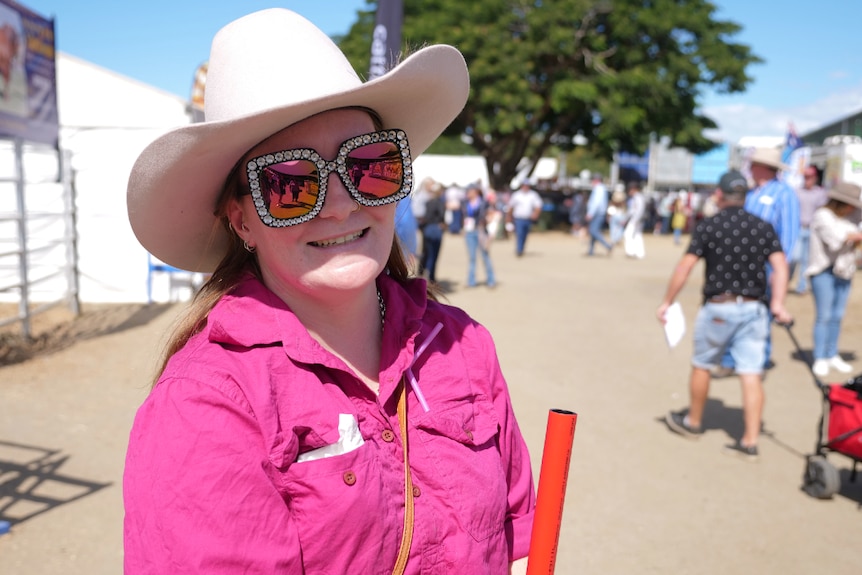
(105,121)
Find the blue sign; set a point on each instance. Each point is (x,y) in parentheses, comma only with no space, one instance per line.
(633,167)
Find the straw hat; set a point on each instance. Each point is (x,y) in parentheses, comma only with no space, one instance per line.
(269,70)
(848,193)
(768,157)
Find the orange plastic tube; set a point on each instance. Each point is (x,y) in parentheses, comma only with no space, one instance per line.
(551,494)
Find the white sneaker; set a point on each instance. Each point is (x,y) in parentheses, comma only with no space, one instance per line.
(820,367)
(840,364)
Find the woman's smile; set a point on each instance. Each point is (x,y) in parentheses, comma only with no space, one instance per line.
(338,241)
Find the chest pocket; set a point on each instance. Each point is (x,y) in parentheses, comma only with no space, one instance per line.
(346,494)
(462,443)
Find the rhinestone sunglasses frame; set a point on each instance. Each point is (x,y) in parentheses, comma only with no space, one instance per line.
(324,169)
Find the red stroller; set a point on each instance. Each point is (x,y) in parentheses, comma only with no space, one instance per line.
(841,423)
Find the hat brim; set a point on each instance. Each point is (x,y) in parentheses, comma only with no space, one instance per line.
(849,200)
(769,163)
(778,166)
(176,181)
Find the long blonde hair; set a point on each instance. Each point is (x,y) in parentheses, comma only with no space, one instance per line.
(237,261)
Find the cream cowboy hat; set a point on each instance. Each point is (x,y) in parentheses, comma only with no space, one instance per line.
(770,157)
(848,193)
(269,70)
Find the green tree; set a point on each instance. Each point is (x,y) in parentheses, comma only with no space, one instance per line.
(543,71)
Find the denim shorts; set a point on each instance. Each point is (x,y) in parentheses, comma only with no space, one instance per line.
(740,328)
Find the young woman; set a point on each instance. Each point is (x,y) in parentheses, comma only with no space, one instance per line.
(317,411)
(831,266)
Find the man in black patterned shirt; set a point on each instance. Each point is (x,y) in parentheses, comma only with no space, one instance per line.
(735,247)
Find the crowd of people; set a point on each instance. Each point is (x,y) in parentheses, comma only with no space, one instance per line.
(627,212)
(808,240)
(478,213)
(802,219)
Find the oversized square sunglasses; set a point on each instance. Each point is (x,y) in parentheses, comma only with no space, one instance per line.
(289,187)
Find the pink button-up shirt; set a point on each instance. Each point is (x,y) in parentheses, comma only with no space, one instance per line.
(212,481)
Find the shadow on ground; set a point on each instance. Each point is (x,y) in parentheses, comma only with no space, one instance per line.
(850,489)
(718,417)
(54,332)
(30,482)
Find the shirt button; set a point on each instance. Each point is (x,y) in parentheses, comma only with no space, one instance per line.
(416,491)
(469,434)
(349,477)
(388,436)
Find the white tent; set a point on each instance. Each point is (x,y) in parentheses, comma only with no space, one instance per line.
(105,121)
(464,170)
(449,170)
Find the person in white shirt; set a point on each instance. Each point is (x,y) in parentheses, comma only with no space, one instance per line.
(831,267)
(633,236)
(525,205)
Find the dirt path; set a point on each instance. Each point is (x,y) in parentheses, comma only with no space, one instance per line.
(573,332)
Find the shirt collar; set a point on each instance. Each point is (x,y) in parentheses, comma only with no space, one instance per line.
(252,315)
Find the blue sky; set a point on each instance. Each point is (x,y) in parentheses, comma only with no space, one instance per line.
(812,73)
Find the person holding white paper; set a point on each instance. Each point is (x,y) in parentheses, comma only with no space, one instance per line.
(674,324)
(735,246)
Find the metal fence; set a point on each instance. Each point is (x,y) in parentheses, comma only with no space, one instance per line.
(38,251)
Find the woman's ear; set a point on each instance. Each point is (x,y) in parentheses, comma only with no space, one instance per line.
(236,218)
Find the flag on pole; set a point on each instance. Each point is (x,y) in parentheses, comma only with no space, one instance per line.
(386,39)
(795,157)
(791,143)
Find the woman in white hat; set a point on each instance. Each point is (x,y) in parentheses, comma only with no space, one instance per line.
(617,213)
(831,266)
(289,431)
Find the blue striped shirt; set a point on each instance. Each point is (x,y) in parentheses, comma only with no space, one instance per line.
(776,202)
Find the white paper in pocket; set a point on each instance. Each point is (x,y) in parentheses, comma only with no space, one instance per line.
(349,439)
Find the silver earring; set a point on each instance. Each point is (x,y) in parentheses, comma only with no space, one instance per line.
(244,227)
(248,248)
(358,206)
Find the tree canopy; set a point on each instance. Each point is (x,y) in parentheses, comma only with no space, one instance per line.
(614,72)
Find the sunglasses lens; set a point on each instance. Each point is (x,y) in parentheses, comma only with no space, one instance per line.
(290,188)
(376,170)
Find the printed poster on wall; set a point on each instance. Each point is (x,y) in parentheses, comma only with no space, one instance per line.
(28,87)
